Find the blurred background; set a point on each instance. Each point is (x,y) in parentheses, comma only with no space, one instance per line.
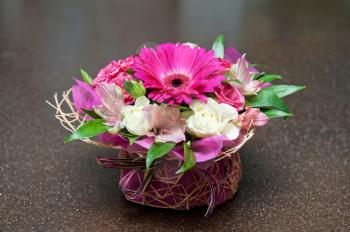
(296,171)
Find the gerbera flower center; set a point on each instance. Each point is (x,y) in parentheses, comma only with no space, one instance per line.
(176,81)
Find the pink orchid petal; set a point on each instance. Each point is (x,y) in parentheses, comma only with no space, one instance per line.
(208,148)
(142,145)
(231,54)
(145,142)
(264,85)
(116,140)
(84,96)
(204,149)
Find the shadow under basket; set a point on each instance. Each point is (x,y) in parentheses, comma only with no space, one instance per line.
(209,183)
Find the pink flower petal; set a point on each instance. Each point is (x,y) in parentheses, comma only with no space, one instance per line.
(84,96)
(174,71)
(208,148)
(167,123)
(112,103)
(253,117)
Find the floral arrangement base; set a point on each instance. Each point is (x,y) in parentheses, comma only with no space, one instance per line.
(209,183)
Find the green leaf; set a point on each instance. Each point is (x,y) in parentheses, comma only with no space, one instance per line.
(91,113)
(189,159)
(267,98)
(183,108)
(273,113)
(86,77)
(134,88)
(284,90)
(256,76)
(131,137)
(88,129)
(156,151)
(269,77)
(218,46)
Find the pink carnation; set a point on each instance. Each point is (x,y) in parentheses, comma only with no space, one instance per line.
(115,72)
(230,95)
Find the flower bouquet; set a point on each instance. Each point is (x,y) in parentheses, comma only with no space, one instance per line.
(178,114)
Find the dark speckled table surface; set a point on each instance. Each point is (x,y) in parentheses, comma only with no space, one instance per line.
(296,171)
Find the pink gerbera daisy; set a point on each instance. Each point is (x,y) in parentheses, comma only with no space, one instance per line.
(176,73)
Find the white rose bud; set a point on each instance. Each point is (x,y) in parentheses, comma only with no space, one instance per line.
(134,117)
(212,119)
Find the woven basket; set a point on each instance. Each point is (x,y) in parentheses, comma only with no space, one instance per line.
(209,183)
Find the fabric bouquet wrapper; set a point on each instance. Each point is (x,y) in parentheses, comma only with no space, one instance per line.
(210,183)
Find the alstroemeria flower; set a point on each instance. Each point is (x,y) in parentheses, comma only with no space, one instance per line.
(110,110)
(253,117)
(211,118)
(167,124)
(242,78)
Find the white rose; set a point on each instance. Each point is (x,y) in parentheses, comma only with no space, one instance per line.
(212,119)
(134,117)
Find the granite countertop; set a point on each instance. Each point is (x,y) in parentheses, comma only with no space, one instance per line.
(295,171)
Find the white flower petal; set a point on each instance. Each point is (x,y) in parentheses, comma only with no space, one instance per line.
(212,119)
(197,105)
(231,131)
(228,112)
(141,101)
(134,118)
